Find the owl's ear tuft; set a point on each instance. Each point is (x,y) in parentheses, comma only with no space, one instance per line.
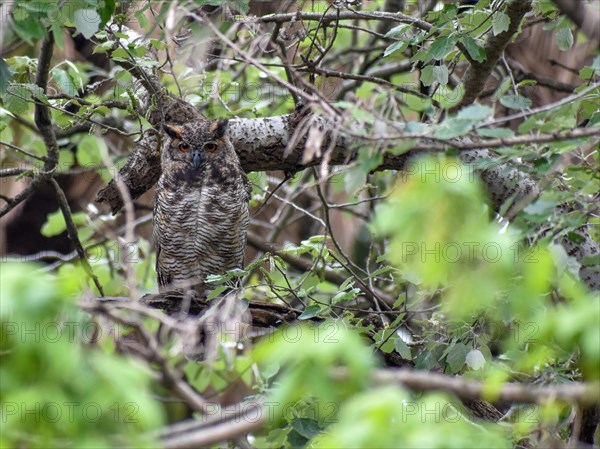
(174,132)
(219,128)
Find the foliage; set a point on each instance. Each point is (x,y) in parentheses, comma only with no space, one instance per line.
(54,390)
(416,268)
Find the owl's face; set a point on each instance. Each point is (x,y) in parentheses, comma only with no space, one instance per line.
(197,143)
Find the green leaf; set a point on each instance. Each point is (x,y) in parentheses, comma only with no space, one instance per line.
(398,30)
(396,47)
(500,23)
(428,358)
(308,428)
(310,312)
(28,29)
(88,151)
(64,81)
(103,47)
(55,223)
(515,101)
(589,261)
(540,207)
(345,295)
(499,133)
(453,127)
(456,357)
(427,77)
(403,146)
(5,76)
(216,292)
(59,35)
(106,10)
(474,49)
(475,113)
(564,38)
(441,74)
(18,98)
(587,73)
(65,159)
(442,46)
(402,348)
(87,22)
(296,440)
(120,54)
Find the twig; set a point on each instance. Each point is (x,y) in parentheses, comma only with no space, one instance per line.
(544,108)
(300,93)
(232,422)
(72,232)
(22,151)
(574,392)
(7,172)
(305,265)
(433,144)
(129,221)
(368,78)
(344,15)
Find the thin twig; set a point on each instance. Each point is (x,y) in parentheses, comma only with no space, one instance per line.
(72,232)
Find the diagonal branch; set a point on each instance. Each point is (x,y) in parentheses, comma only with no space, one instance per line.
(478,72)
(264,144)
(72,232)
(575,392)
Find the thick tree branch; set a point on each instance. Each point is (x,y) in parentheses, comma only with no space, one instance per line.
(245,418)
(478,72)
(263,144)
(229,423)
(43,121)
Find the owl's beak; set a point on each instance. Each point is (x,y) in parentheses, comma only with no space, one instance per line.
(196,158)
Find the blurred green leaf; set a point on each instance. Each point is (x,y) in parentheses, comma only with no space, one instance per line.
(87,22)
(564,38)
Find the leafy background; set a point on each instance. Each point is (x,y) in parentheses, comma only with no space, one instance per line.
(415,269)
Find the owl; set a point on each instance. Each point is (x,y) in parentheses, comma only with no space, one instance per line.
(201,210)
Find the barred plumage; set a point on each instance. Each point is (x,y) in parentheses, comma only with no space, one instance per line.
(201,210)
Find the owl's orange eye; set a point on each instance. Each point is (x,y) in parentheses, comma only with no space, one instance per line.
(184,147)
(210,146)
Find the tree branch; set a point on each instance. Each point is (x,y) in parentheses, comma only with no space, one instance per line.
(43,121)
(263,144)
(231,422)
(478,72)
(72,232)
(574,392)
(343,15)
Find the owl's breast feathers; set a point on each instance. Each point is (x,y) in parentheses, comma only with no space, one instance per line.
(200,222)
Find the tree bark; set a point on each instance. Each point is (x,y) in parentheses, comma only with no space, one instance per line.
(262,145)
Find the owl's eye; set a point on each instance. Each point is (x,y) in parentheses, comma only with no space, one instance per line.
(184,147)
(210,146)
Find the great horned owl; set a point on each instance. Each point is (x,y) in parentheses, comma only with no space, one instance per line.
(201,211)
